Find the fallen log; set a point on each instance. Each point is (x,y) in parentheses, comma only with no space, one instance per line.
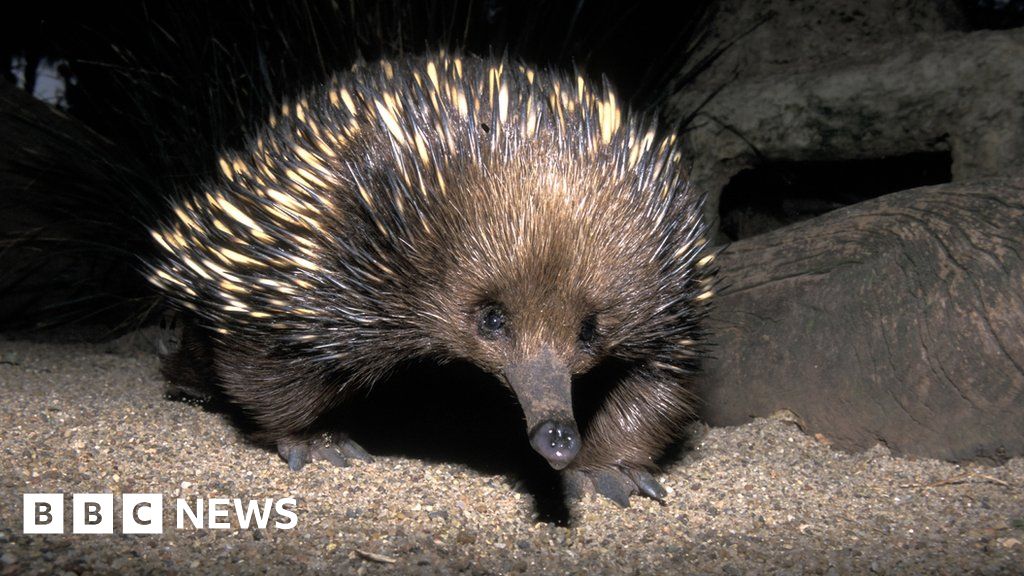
(899,320)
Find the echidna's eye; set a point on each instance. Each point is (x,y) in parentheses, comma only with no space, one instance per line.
(588,330)
(492,322)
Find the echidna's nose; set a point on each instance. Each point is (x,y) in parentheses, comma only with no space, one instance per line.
(543,385)
(557,442)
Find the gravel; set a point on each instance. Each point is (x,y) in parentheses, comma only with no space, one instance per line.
(760,498)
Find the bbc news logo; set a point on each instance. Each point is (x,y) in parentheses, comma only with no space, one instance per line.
(144,513)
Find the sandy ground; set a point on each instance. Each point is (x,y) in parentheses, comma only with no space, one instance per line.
(761,498)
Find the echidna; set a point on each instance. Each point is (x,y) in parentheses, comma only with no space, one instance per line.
(448,207)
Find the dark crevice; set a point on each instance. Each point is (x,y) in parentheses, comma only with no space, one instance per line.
(780,193)
(993,14)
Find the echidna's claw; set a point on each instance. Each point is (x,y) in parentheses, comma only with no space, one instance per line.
(617,484)
(296,454)
(647,485)
(336,448)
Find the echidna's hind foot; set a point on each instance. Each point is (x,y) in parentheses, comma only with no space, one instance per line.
(186,361)
(617,484)
(336,448)
(170,335)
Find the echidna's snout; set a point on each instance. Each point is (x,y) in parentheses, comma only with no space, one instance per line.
(557,442)
(543,385)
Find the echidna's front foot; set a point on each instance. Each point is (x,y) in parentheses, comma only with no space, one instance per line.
(617,483)
(337,448)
